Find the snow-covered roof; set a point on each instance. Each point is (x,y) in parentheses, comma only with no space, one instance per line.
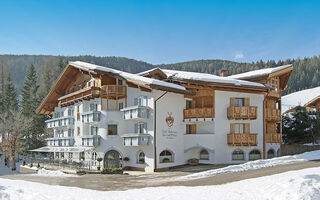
(204,77)
(259,73)
(128,76)
(299,98)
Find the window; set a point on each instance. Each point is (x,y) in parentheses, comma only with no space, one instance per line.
(94,156)
(166,157)
(204,155)
(93,107)
(141,158)
(62,155)
(238,155)
(191,128)
(270,153)
(70,132)
(120,105)
(278,127)
(278,105)
(93,130)
(254,155)
(239,101)
(141,101)
(188,104)
(70,156)
(81,156)
(120,82)
(239,128)
(140,128)
(112,129)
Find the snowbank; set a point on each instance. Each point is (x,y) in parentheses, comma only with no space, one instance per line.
(257,164)
(45,172)
(293,185)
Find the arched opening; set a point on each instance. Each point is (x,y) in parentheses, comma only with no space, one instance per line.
(270,153)
(141,157)
(254,155)
(166,157)
(112,159)
(238,154)
(204,155)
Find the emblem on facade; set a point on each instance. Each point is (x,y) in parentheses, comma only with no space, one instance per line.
(169,120)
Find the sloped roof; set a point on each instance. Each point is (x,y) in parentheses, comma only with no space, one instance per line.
(201,77)
(260,72)
(300,98)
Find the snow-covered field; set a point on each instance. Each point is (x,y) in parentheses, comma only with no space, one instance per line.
(302,184)
(257,164)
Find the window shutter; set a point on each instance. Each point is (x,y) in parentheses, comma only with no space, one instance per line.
(232,101)
(136,128)
(246,102)
(135,101)
(246,128)
(193,129)
(232,128)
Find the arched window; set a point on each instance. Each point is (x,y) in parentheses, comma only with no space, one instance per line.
(204,155)
(237,155)
(254,155)
(141,157)
(270,153)
(166,156)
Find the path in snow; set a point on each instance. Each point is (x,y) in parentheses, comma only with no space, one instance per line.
(293,185)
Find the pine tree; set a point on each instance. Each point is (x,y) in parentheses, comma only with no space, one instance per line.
(10,101)
(30,99)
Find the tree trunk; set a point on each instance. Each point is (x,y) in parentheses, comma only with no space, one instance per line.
(13,163)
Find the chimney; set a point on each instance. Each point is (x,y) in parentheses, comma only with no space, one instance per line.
(223,72)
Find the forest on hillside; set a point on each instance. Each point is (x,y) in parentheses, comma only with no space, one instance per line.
(305,74)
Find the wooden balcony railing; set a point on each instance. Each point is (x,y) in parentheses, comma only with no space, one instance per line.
(242,139)
(113,91)
(273,138)
(106,91)
(272,114)
(198,113)
(242,112)
(83,94)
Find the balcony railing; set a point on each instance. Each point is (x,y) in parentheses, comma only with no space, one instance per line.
(198,113)
(113,91)
(60,122)
(273,138)
(242,139)
(63,141)
(83,94)
(106,91)
(91,140)
(92,116)
(136,112)
(272,114)
(274,93)
(136,139)
(242,112)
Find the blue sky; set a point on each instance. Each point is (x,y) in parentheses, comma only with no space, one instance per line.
(162,31)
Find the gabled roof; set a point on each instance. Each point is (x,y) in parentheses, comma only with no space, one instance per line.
(260,73)
(300,98)
(201,77)
(75,68)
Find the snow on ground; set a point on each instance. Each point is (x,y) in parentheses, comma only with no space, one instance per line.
(257,164)
(293,185)
(299,98)
(45,172)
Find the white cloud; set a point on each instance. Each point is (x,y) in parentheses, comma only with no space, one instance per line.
(239,55)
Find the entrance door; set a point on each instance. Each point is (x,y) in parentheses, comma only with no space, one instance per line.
(112,159)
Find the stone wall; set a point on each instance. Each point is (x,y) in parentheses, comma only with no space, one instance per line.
(291,149)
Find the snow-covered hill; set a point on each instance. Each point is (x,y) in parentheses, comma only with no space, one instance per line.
(298,98)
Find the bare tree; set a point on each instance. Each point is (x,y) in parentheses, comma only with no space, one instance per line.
(13,124)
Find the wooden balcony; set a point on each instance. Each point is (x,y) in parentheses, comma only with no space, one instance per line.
(106,91)
(272,114)
(113,91)
(198,113)
(242,112)
(274,93)
(273,138)
(242,139)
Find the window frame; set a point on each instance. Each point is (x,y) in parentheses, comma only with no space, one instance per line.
(116,130)
(236,152)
